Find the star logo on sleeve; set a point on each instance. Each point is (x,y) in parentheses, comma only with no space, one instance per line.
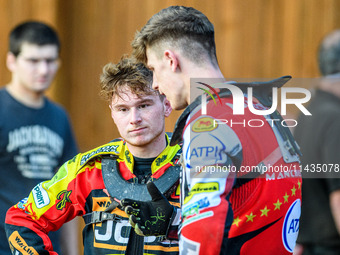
(264,211)
(299,185)
(293,191)
(286,196)
(250,217)
(277,205)
(237,221)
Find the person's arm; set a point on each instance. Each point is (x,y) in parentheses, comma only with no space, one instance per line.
(70,237)
(25,233)
(332,156)
(206,193)
(334,201)
(49,205)
(298,249)
(70,231)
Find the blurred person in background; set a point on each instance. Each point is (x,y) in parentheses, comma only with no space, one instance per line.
(319,138)
(36,136)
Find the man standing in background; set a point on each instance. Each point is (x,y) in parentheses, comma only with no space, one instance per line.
(35,134)
(319,138)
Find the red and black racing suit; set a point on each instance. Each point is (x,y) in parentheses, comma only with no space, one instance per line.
(224,215)
(76,190)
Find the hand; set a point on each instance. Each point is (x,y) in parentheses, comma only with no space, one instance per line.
(298,249)
(151,218)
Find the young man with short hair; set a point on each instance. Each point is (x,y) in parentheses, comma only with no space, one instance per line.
(256,214)
(35,133)
(92,183)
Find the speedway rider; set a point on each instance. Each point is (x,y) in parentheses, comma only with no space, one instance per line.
(92,183)
(257,213)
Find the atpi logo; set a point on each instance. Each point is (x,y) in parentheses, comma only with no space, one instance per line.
(291,225)
(239,99)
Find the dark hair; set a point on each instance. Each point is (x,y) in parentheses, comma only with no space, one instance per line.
(32,32)
(185,27)
(329,54)
(127,72)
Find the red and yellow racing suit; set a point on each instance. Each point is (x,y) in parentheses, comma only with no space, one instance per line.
(76,190)
(222,214)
